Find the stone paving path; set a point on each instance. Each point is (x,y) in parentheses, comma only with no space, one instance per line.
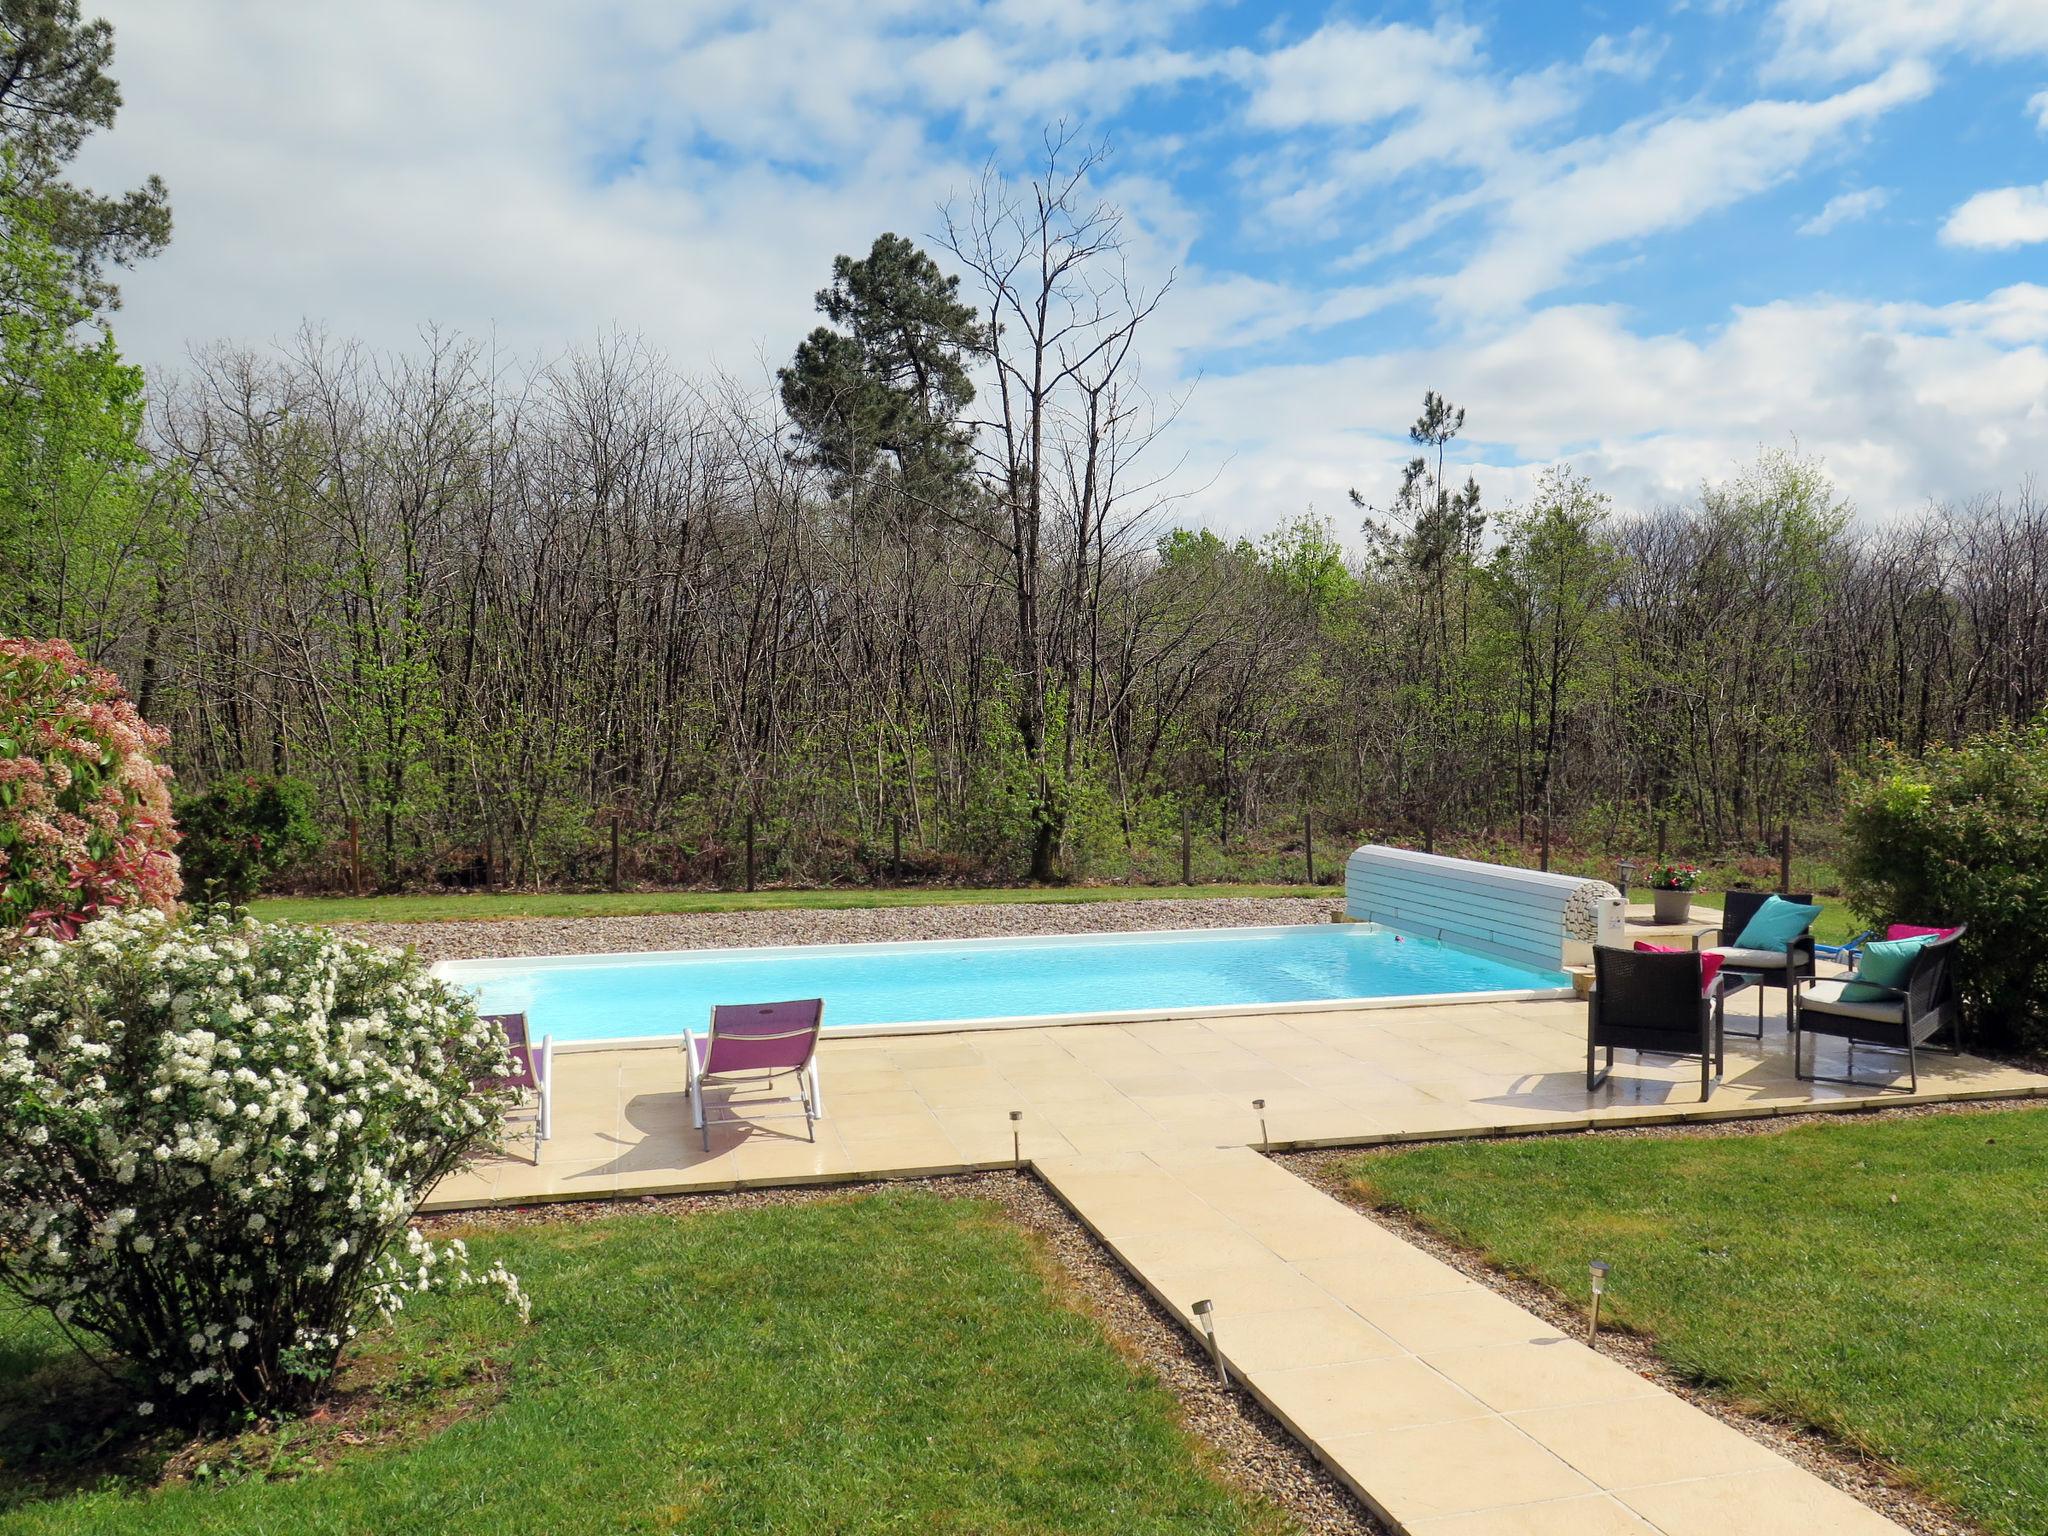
(1445,1407)
(1442,1404)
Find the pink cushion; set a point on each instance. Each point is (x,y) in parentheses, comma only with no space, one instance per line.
(1710,965)
(1913,931)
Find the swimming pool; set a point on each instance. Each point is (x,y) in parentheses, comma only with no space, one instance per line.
(985,983)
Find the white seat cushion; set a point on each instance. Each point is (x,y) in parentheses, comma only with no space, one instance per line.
(1749,959)
(1826,997)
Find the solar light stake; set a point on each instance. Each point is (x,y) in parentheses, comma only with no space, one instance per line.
(1265,1141)
(1628,867)
(1598,1268)
(1206,1311)
(1017,1137)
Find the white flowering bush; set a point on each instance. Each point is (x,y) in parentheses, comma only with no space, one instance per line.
(213,1133)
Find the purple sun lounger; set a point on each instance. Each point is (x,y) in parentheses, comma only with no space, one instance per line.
(756,1043)
(533,1072)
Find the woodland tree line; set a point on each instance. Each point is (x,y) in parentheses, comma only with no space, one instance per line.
(923,591)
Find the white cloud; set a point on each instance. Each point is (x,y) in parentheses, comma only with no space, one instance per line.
(1351,74)
(1655,176)
(1838,37)
(2037,108)
(1905,404)
(687,173)
(1846,208)
(1999,220)
(1632,57)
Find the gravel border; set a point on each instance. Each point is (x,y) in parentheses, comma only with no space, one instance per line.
(1251,1449)
(1864,1478)
(501,938)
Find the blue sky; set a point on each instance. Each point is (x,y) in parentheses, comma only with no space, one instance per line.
(1647,238)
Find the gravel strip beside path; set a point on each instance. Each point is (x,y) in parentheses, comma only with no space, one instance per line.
(502,938)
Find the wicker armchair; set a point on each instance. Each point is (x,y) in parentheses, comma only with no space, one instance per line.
(1653,1002)
(1906,1021)
(1783,969)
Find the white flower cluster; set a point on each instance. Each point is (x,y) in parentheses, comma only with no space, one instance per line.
(212,1138)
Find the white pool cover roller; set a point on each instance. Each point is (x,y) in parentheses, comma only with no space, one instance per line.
(1523,915)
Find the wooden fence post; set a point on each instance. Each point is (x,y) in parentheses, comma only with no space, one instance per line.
(750,850)
(615,850)
(1785,858)
(1187,845)
(1308,841)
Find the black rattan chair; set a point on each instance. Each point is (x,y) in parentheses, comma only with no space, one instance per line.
(1652,1002)
(1764,967)
(1926,1005)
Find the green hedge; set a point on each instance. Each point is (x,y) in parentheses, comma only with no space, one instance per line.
(242,831)
(1960,835)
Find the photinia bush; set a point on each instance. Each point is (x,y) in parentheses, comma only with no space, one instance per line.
(1960,835)
(213,1133)
(85,807)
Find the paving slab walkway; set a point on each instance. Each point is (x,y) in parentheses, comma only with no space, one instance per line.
(1444,1406)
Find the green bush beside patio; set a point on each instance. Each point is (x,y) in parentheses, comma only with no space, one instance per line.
(900,1362)
(1884,1281)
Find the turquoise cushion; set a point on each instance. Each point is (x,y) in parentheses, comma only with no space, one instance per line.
(1886,962)
(1777,923)
(1854,991)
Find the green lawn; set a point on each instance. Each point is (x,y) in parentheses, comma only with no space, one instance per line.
(1885,1280)
(499,904)
(898,1363)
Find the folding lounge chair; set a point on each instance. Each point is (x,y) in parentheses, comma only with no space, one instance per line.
(533,1071)
(757,1043)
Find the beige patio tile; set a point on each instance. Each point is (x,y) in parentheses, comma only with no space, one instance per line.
(894,1128)
(1452,1469)
(961,1087)
(1778,1501)
(1153,1084)
(1598,1515)
(1148,1251)
(984,1136)
(1554,1373)
(872,1103)
(1641,1440)
(1323,1402)
(1238,1290)
(1389,1278)
(1468,1315)
(1281,1341)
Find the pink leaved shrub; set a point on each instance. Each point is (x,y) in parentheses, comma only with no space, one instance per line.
(85,807)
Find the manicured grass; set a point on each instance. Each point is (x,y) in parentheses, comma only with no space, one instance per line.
(501,904)
(1883,1280)
(898,1362)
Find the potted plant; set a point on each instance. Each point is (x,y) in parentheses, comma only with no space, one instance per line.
(1672,886)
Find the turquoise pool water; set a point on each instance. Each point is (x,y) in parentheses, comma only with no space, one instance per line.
(609,997)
